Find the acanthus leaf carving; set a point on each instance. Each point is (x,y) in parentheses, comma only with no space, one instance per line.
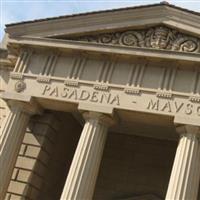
(159,37)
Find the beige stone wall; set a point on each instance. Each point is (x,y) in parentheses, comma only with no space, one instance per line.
(32,163)
(45,157)
(64,148)
(134,166)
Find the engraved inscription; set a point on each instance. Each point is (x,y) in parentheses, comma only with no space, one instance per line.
(82,95)
(123,100)
(173,107)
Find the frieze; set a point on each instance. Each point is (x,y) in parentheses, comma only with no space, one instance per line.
(159,37)
(117,99)
(173,107)
(82,95)
(20,86)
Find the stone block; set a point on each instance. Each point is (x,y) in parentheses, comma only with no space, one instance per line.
(48,119)
(36,181)
(29,177)
(14,174)
(45,118)
(22,149)
(33,151)
(17,197)
(37,140)
(25,163)
(38,153)
(30,126)
(34,194)
(24,175)
(29,138)
(18,188)
(44,130)
(41,129)
(40,168)
(7,197)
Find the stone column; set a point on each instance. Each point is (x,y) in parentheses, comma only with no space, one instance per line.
(10,141)
(185,176)
(83,172)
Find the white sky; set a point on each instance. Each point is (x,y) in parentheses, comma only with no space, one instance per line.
(23,10)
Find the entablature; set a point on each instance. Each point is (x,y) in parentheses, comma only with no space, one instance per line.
(45,44)
(145,62)
(168,87)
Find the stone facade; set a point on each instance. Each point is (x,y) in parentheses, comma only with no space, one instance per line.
(93,108)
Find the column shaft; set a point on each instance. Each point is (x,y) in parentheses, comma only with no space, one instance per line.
(10,141)
(83,172)
(184,180)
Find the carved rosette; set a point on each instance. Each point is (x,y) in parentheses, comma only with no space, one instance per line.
(20,86)
(159,37)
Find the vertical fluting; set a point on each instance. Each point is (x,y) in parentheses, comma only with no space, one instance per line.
(185,176)
(10,141)
(83,172)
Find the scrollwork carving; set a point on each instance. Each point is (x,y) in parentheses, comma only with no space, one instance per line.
(186,44)
(131,38)
(106,38)
(159,37)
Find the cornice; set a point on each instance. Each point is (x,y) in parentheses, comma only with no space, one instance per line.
(6,64)
(92,48)
(81,24)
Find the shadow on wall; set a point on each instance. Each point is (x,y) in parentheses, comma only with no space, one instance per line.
(45,156)
(141,197)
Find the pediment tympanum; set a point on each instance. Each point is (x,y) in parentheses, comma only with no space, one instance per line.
(158,37)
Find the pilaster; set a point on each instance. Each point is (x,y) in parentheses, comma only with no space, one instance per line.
(185,176)
(84,169)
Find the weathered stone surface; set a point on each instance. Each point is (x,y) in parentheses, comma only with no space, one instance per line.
(159,37)
(139,66)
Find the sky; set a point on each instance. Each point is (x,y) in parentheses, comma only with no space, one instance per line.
(22,10)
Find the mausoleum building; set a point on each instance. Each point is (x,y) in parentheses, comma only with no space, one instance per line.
(102,105)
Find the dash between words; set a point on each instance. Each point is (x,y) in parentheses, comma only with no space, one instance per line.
(84,95)
(114,99)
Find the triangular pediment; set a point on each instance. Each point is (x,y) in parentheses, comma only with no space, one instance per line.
(156,37)
(112,21)
(160,27)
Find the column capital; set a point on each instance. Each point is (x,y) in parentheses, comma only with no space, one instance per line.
(102,118)
(30,108)
(184,129)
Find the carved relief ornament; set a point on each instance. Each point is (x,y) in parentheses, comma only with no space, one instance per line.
(20,86)
(159,37)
